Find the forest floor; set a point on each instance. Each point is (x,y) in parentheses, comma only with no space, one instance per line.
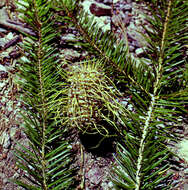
(97,162)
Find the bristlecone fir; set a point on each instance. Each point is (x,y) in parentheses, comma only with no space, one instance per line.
(158,94)
(92,98)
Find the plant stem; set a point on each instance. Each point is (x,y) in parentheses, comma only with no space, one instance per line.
(39,55)
(153,100)
(142,142)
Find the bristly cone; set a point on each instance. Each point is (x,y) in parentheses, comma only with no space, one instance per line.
(92,99)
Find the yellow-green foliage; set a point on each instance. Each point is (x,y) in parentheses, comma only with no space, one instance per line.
(91,98)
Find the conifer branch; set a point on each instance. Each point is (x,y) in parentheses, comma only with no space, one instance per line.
(152,104)
(106,57)
(44,109)
(146,145)
(46,161)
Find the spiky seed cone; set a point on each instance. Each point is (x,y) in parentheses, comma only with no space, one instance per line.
(90,98)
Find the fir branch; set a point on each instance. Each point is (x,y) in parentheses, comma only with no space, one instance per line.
(103,47)
(46,160)
(161,106)
(43,98)
(153,101)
